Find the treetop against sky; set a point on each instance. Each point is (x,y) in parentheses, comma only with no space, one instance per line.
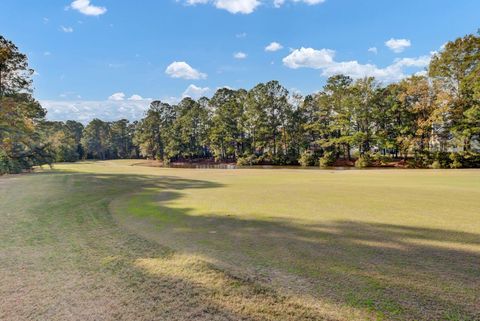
(110,58)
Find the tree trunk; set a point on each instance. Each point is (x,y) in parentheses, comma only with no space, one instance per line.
(274,143)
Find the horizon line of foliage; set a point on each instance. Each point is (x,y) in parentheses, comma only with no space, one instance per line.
(430,120)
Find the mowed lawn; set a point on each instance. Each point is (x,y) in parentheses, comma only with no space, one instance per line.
(117,240)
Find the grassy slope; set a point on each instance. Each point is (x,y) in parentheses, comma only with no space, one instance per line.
(272,244)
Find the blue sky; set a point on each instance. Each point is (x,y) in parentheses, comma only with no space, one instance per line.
(108,58)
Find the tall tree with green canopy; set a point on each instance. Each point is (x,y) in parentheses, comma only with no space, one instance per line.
(122,137)
(267,106)
(76,130)
(191,128)
(155,130)
(364,94)
(336,111)
(15,75)
(256,126)
(227,132)
(21,145)
(391,119)
(61,141)
(456,68)
(309,120)
(97,140)
(293,136)
(418,99)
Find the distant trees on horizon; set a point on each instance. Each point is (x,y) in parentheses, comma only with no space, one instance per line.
(430,120)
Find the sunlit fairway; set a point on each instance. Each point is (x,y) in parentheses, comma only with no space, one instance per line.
(116,240)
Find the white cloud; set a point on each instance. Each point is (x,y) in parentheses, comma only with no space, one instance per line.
(172,100)
(117,96)
(232,6)
(274,46)
(279,3)
(324,60)
(84,7)
(66,29)
(421,73)
(240,55)
(310,2)
(194,2)
(373,50)
(135,97)
(180,69)
(237,6)
(310,58)
(245,6)
(85,111)
(398,45)
(195,92)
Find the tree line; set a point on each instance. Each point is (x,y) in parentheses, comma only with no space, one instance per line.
(426,120)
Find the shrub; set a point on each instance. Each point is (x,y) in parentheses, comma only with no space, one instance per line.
(470,160)
(278,159)
(307,158)
(328,159)
(465,160)
(8,165)
(363,161)
(248,160)
(436,165)
(166,162)
(381,159)
(421,159)
(442,158)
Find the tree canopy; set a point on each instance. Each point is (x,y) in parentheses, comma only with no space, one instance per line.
(423,120)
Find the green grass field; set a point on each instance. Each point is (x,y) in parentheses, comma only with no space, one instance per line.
(116,240)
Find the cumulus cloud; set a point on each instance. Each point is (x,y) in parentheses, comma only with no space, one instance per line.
(324,60)
(273,46)
(232,6)
(373,50)
(240,55)
(180,69)
(86,8)
(195,92)
(117,96)
(398,45)
(120,96)
(85,111)
(310,58)
(245,6)
(135,97)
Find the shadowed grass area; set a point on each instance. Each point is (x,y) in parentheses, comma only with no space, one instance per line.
(62,257)
(239,244)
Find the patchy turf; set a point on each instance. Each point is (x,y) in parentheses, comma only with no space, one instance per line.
(187,244)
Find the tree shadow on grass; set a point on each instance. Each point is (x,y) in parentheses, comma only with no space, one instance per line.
(387,271)
(393,271)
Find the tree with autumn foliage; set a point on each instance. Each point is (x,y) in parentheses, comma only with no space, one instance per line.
(21,144)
